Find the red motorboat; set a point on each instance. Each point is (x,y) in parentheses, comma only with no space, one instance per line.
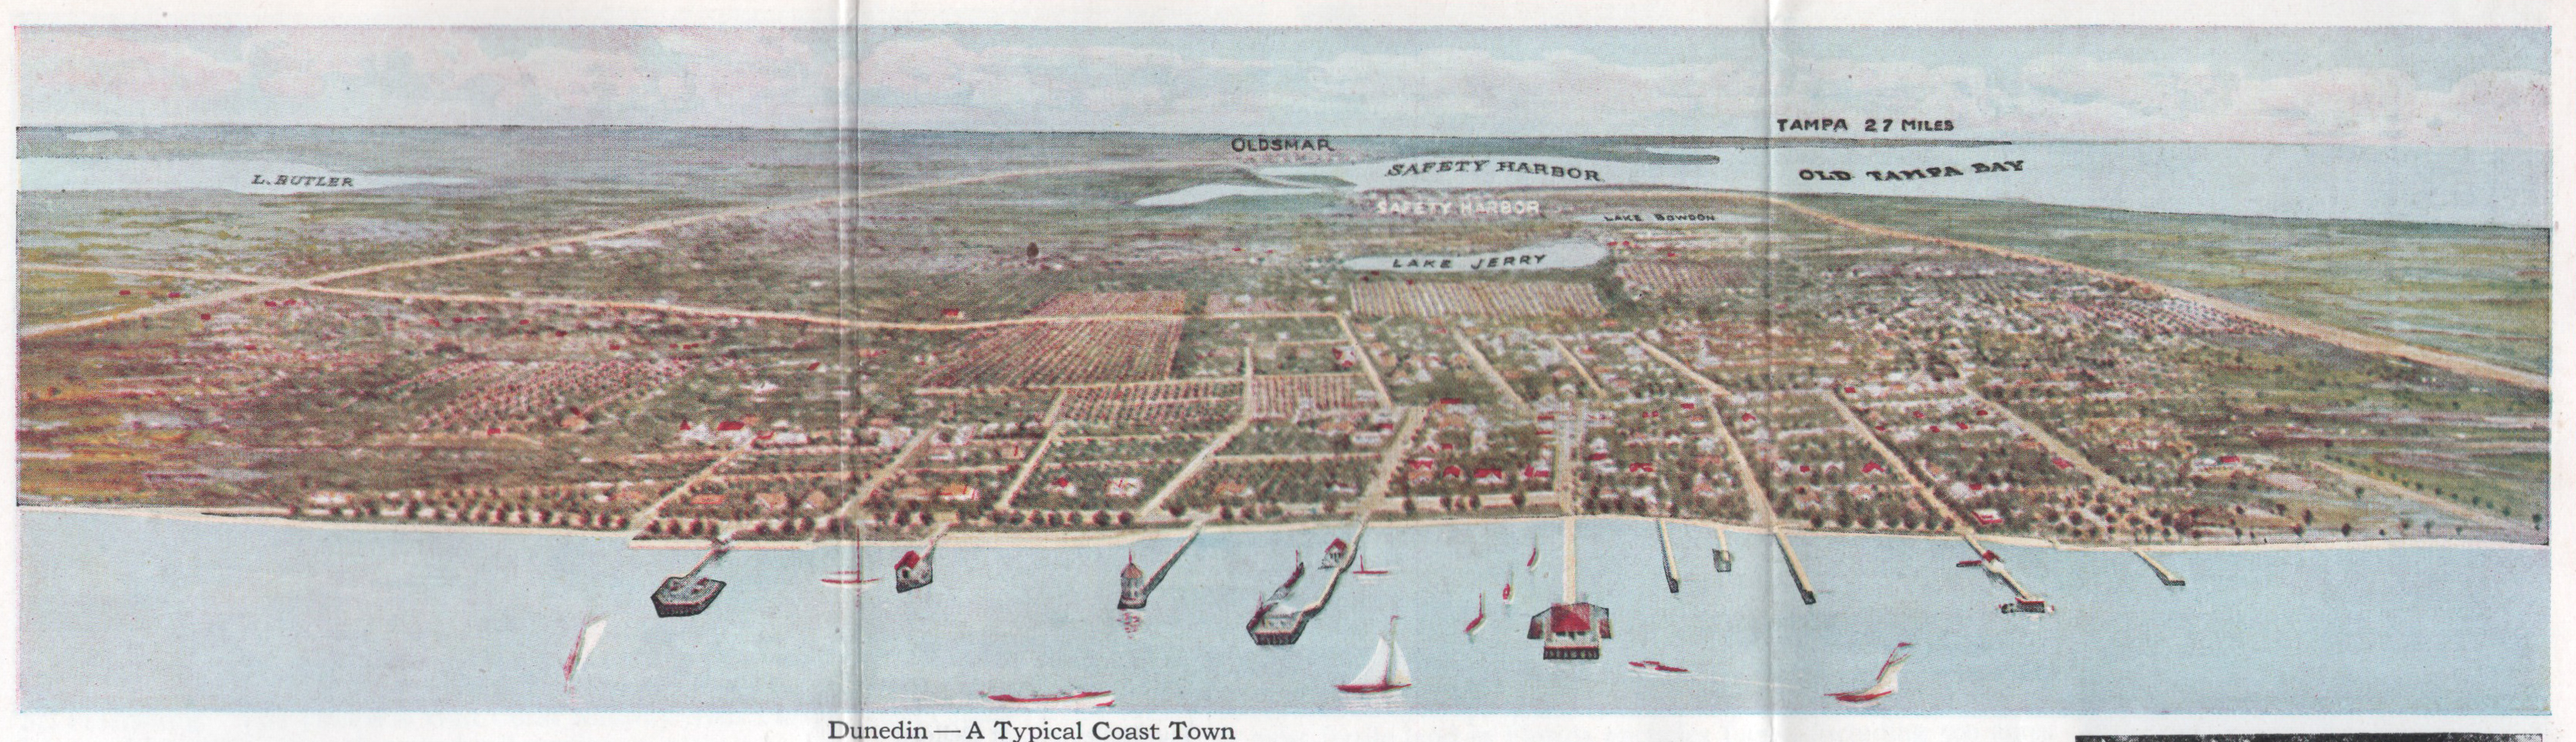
(1972,562)
(1078,699)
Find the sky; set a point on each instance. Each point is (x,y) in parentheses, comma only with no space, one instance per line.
(2422,86)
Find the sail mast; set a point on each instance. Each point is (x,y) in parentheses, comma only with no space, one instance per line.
(1398,674)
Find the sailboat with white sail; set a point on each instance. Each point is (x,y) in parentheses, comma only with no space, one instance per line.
(581,647)
(1385,670)
(1886,684)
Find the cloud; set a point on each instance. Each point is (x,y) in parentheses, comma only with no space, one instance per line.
(935,82)
(431,76)
(110,67)
(2083,98)
(1517,83)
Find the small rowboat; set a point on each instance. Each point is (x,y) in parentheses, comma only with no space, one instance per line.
(1065,698)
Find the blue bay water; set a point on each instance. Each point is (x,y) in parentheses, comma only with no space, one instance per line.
(2443,185)
(124,613)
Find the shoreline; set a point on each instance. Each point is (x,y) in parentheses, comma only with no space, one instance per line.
(1083,539)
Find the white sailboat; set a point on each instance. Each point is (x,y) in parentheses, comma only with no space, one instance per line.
(582,646)
(1886,684)
(1385,670)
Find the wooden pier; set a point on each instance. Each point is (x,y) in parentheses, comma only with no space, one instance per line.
(1269,629)
(1797,571)
(1672,578)
(2164,575)
(1571,594)
(1137,600)
(2023,600)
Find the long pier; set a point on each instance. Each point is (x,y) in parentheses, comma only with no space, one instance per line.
(718,551)
(1797,571)
(1672,579)
(1572,595)
(2023,600)
(1159,572)
(1262,628)
(2162,575)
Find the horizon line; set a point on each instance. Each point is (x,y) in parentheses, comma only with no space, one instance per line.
(1096,132)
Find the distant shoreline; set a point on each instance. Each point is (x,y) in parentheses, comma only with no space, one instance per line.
(1093,539)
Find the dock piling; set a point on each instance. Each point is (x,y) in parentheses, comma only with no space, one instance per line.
(1672,577)
(1797,571)
(2163,575)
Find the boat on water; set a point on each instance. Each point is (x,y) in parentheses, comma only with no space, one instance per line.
(1532,564)
(582,644)
(690,594)
(848,577)
(1886,683)
(1479,621)
(1972,563)
(1058,699)
(1361,568)
(1385,670)
(1334,553)
(1274,621)
(1290,586)
(1657,666)
(1507,587)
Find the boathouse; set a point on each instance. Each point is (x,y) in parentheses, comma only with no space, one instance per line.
(1573,631)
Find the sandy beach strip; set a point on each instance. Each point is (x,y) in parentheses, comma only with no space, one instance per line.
(1081,539)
